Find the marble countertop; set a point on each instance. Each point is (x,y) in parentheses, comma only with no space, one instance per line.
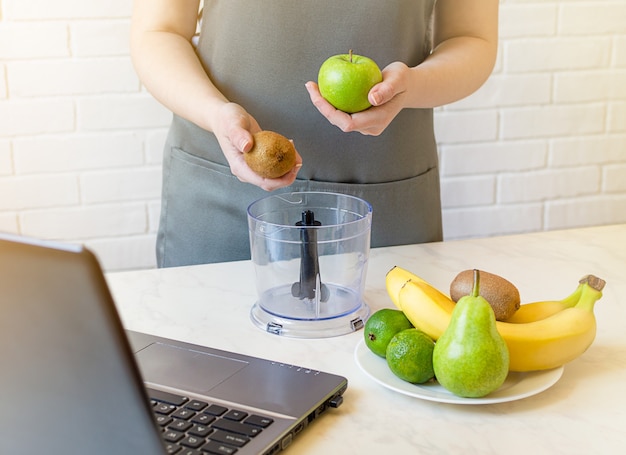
(583,413)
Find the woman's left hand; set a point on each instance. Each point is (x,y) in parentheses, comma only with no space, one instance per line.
(385,97)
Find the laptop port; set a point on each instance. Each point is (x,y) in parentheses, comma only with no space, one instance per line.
(273,450)
(298,428)
(286,442)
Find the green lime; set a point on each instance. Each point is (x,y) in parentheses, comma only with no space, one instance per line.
(410,356)
(381,327)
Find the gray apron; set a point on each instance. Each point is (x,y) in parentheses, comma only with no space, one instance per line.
(260,54)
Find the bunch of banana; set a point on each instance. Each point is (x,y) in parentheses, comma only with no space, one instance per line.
(543,335)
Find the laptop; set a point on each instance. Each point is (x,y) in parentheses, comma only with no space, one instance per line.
(74,381)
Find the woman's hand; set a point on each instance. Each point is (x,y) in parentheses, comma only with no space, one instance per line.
(465,44)
(233,130)
(385,97)
(169,67)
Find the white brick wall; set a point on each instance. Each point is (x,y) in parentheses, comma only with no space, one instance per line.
(542,145)
(553,154)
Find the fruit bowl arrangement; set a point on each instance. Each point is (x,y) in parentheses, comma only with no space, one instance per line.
(477,344)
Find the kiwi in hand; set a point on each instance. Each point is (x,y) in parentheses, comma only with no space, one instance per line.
(501,294)
(272,155)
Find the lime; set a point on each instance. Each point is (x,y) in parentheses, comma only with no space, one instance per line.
(410,356)
(382,326)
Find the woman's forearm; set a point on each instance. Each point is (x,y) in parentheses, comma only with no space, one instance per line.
(455,69)
(465,49)
(167,64)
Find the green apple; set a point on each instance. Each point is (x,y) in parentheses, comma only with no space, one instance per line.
(345,80)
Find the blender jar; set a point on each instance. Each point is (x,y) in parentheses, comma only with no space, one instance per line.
(310,252)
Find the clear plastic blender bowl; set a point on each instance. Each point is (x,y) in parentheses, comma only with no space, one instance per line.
(310,253)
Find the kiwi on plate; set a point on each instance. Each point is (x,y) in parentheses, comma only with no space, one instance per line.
(501,294)
(272,155)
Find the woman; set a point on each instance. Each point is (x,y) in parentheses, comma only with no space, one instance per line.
(254,68)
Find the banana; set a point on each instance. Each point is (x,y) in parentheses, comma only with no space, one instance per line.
(535,311)
(419,304)
(542,344)
(555,340)
(397,277)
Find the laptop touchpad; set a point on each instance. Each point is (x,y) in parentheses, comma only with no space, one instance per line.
(184,368)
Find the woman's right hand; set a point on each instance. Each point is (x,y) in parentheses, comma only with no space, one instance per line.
(169,67)
(233,129)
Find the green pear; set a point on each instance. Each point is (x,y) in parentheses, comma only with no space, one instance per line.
(471,359)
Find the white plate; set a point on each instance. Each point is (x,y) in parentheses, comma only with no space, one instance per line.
(516,386)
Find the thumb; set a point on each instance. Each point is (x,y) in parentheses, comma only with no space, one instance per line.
(241,139)
(380,94)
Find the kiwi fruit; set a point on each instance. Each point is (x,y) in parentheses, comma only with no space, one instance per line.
(272,155)
(501,294)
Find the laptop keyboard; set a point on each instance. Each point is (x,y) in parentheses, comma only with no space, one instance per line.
(194,427)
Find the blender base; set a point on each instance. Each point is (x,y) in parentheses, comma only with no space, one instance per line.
(314,328)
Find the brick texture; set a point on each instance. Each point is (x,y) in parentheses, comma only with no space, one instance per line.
(542,145)
(67,77)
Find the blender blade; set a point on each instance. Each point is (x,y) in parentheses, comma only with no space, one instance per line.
(310,285)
